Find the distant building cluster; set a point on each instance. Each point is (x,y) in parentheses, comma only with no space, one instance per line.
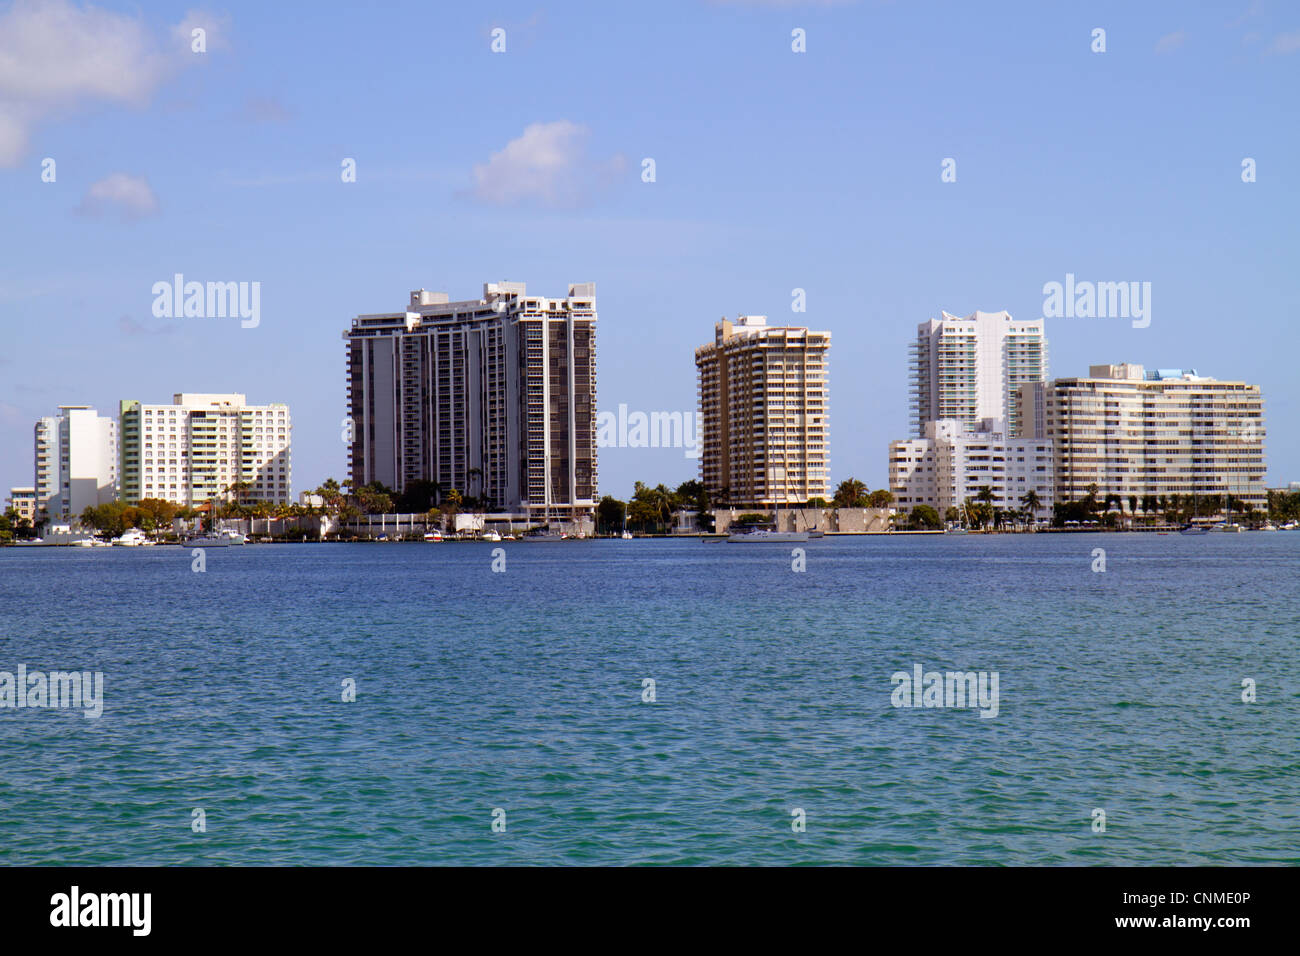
(495,398)
(987,417)
(200,447)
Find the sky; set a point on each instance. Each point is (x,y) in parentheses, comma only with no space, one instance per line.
(775,170)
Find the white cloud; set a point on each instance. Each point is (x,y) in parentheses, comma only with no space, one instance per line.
(130,197)
(547,164)
(55,56)
(1171,41)
(1285,43)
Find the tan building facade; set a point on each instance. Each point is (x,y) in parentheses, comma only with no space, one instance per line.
(764,405)
(1134,432)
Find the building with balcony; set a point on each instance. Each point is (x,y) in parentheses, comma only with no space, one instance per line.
(23,502)
(764,403)
(75,462)
(205,446)
(969,369)
(493,397)
(1163,432)
(954,462)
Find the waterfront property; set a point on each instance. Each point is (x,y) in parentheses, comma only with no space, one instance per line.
(23,501)
(204,445)
(493,397)
(75,462)
(765,410)
(1138,433)
(954,462)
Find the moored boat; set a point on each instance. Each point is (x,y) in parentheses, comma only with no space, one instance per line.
(217,539)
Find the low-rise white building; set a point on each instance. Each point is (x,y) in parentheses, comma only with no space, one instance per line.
(954,461)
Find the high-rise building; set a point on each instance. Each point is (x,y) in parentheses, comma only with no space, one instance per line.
(764,403)
(955,462)
(1134,432)
(969,369)
(205,446)
(76,462)
(492,397)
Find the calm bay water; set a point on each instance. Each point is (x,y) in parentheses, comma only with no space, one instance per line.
(522,691)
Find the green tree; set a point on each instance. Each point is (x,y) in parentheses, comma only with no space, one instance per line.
(925,517)
(1031,503)
(881,498)
(851,493)
(610,514)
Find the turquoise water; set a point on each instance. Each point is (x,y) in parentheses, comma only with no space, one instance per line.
(522,690)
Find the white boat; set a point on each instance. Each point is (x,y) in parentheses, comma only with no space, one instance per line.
(1224,527)
(491,536)
(131,538)
(766,536)
(60,535)
(432,536)
(1269,527)
(217,539)
(627,535)
(508,537)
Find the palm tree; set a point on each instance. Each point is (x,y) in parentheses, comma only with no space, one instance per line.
(1031,503)
(849,492)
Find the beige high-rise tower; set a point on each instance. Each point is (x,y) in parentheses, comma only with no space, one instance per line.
(765,408)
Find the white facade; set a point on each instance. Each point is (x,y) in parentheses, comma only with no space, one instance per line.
(76,462)
(954,461)
(969,369)
(205,446)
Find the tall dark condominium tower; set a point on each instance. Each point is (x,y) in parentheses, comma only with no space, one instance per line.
(493,397)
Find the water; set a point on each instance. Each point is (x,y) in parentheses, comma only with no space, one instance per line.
(521,690)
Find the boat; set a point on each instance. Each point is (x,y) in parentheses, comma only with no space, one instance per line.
(508,537)
(432,536)
(1193,529)
(491,536)
(1224,527)
(626,535)
(1269,527)
(217,539)
(760,535)
(544,535)
(956,529)
(59,535)
(131,538)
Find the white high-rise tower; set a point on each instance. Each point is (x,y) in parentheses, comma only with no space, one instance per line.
(970,369)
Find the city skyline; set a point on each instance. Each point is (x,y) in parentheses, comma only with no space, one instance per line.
(746,205)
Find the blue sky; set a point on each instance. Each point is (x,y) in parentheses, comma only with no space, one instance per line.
(775,170)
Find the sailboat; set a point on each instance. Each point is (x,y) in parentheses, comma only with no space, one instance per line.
(1192,527)
(547,535)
